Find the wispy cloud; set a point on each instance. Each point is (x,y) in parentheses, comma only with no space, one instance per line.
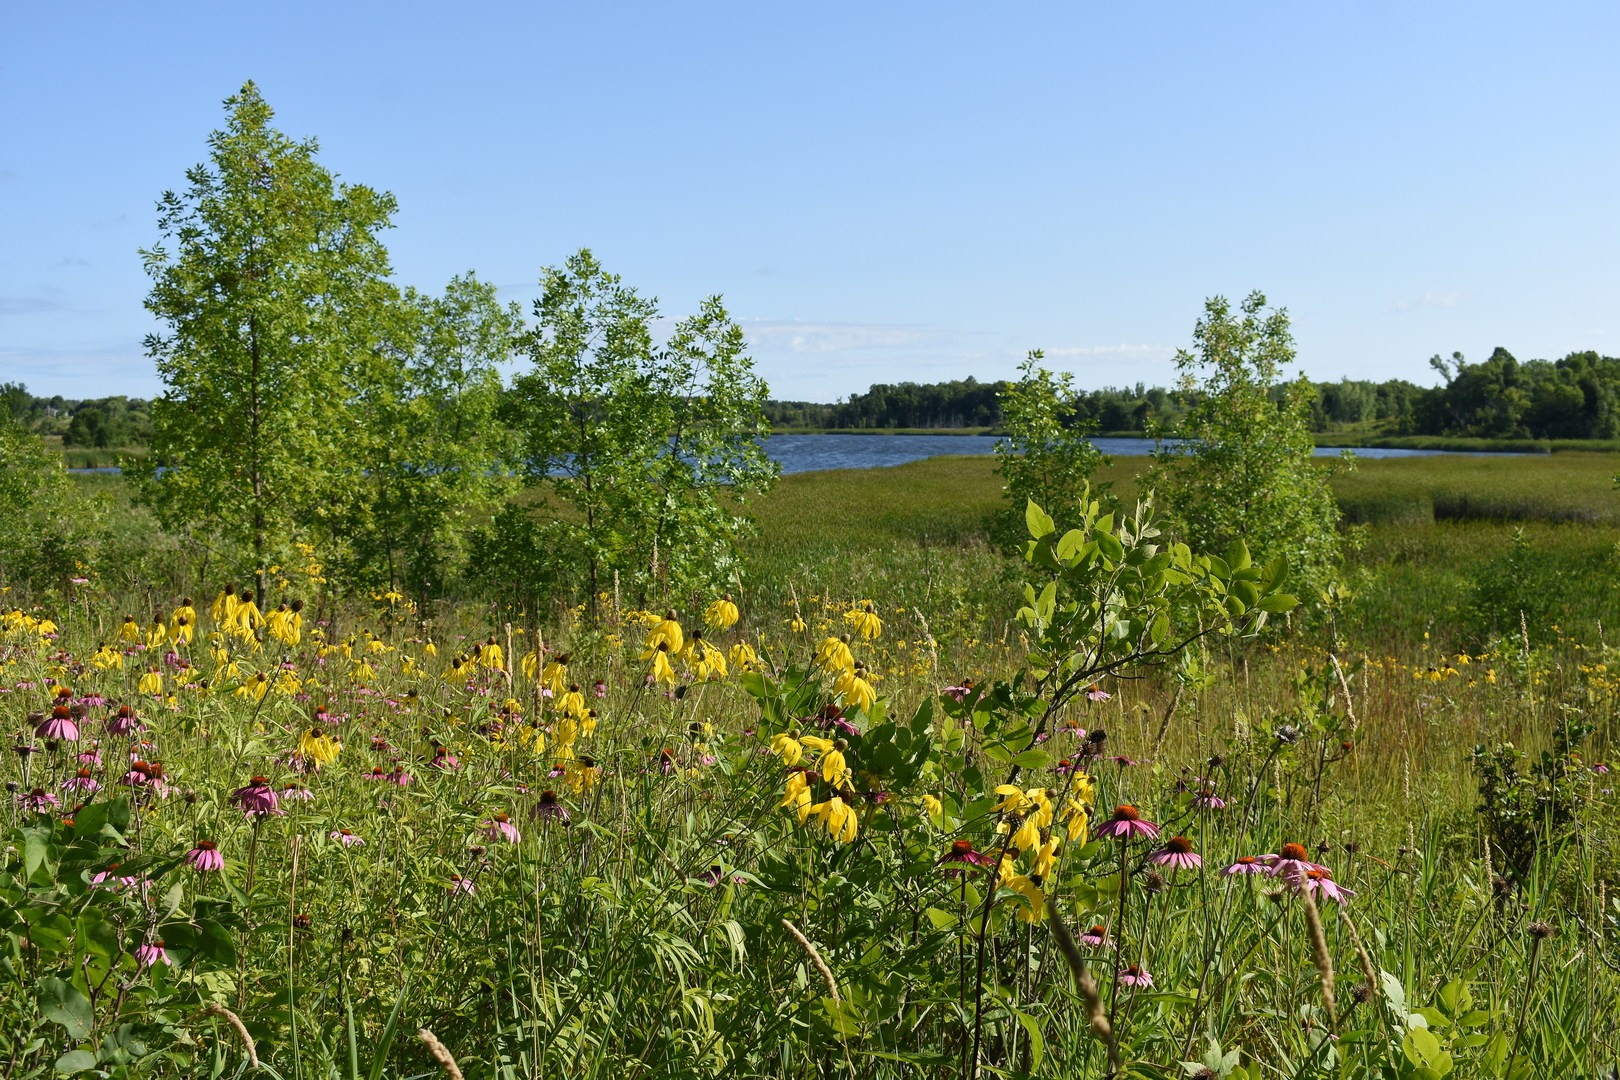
(109,223)
(29,305)
(1110,350)
(88,371)
(1433,298)
(73,260)
(833,337)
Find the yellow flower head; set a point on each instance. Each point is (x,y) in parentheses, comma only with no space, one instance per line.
(721,614)
(865,621)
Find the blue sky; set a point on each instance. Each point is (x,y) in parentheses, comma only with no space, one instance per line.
(880,191)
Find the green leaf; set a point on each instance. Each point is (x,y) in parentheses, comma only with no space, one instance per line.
(62,1003)
(1423,1050)
(1455,998)
(1037,1042)
(942,920)
(75,1061)
(1072,542)
(1277,603)
(1039,522)
(1033,759)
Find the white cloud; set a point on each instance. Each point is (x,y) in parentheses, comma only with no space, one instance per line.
(829,337)
(1433,298)
(1110,350)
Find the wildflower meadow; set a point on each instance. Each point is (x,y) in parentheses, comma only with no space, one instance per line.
(1142,822)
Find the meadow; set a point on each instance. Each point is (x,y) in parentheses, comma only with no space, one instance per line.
(846,823)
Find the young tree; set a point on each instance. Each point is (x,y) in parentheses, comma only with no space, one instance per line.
(432,460)
(1246,470)
(1047,456)
(274,286)
(643,448)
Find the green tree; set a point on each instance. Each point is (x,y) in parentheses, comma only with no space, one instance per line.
(274,286)
(644,450)
(44,528)
(436,460)
(1243,466)
(1047,456)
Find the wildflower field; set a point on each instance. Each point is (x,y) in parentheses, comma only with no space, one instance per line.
(897,805)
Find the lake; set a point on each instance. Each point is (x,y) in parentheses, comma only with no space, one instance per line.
(817,453)
(814,453)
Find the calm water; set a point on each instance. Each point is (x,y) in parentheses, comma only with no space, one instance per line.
(812,453)
(815,453)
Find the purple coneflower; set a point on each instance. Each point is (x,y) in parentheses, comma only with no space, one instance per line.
(1292,861)
(1096,937)
(83,781)
(1126,822)
(599,688)
(1246,864)
(400,776)
(59,726)
(958,692)
(460,885)
(1135,975)
(1177,854)
(293,791)
(123,722)
(961,852)
(205,857)
(346,838)
(1208,800)
(1122,761)
(37,800)
(89,756)
(152,953)
(113,879)
(257,798)
(549,809)
(1319,880)
(500,827)
(1097,693)
(444,759)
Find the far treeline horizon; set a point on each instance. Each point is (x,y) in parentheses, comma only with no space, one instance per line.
(1501,397)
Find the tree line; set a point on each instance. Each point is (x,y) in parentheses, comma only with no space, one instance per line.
(1576,397)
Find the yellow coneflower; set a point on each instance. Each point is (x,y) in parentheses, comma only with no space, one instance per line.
(151,682)
(865,621)
(1029,887)
(668,633)
(839,818)
(834,655)
(554,676)
(317,746)
(706,661)
(788,748)
(572,704)
(721,614)
(662,672)
(853,689)
(130,631)
(743,657)
(255,687)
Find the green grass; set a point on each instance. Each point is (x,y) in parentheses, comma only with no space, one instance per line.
(603,949)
